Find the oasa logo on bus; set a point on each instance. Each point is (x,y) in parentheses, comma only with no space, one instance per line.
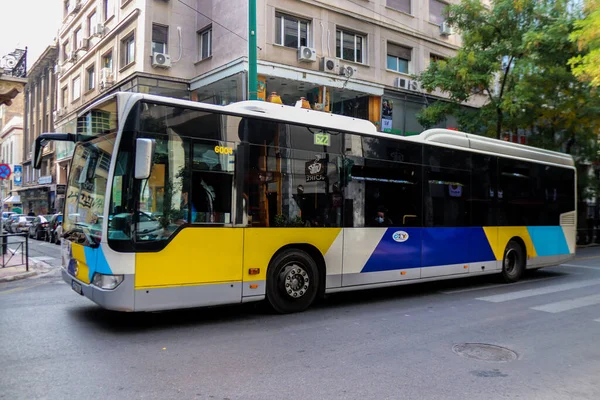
(400,236)
(223,150)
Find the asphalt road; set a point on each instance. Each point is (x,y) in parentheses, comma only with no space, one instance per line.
(399,343)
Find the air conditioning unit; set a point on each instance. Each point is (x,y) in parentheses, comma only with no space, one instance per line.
(445,29)
(72,56)
(98,30)
(161,60)
(402,83)
(57,69)
(348,71)
(106,78)
(60,112)
(83,44)
(414,86)
(331,65)
(307,54)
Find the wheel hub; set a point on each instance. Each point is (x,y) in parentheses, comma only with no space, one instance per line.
(294,281)
(510,260)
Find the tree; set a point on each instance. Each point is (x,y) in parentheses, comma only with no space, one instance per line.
(514,58)
(587,36)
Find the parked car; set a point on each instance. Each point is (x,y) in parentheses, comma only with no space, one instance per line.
(51,227)
(21,224)
(38,226)
(9,222)
(5,216)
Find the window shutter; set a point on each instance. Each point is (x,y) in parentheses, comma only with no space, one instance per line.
(399,51)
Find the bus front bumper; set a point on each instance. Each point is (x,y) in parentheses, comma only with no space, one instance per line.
(119,299)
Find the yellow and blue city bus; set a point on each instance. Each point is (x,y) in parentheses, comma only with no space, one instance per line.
(173,203)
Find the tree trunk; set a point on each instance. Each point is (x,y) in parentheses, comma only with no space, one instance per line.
(499,123)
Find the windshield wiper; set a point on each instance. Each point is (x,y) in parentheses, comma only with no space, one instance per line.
(73,234)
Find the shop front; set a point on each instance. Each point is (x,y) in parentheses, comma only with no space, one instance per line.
(399,114)
(293,87)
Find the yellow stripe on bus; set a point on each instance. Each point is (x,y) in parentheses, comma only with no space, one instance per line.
(261,243)
(194,256)
(83,270)
(498,238)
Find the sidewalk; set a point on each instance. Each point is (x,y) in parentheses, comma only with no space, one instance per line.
(16,270)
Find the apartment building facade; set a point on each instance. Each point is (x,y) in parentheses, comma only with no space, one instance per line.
(118,45)
(343,56)
(38,189)
(13,72)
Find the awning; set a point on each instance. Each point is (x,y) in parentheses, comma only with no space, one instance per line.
(13,199)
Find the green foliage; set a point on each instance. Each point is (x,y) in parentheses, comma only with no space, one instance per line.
(586,66)
(515,60)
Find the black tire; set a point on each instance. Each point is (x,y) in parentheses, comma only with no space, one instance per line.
(513,263)
(292,281)
(37,234)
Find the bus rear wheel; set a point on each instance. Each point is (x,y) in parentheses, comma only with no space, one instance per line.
(292,281)
(513,263)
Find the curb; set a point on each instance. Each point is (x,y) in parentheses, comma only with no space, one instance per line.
(17,277)
(35,268)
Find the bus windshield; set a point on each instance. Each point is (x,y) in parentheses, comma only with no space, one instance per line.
(88,177)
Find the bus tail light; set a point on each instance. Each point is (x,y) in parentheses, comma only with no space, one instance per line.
(107,282)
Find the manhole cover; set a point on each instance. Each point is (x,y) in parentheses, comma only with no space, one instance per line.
(484,352)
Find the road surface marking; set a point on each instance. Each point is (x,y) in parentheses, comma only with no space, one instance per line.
(570,304)
(42,258)
(597,320)
(579,266)
(499,298)
(587,258)
(20,289)
(491,286)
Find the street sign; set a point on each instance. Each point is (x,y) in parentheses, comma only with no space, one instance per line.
(4,171)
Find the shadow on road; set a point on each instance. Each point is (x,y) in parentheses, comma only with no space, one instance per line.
(259,313)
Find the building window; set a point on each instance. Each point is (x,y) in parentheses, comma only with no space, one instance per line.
(66,50)
(107,60)
(77,38)
(399,5)
(436,11)
(108,8)
(291,31)
(349,46)
(433,58)
(90,76)
(65,96)
(128,50)
(76,88)
(205,44)
(92,22)
(160,38)
(398,58)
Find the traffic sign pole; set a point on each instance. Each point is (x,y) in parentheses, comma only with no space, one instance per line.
(4,174)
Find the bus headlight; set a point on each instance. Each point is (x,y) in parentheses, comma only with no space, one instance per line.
(107,282)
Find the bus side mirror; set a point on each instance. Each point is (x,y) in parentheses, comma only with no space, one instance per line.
(36,152)
(144,150)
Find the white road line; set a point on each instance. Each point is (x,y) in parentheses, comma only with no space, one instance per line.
(491,286)
(499,298)
(578,266)
(570,304)
(597,320)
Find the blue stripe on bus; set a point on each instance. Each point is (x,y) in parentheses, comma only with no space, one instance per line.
(96,261)
(390,254)
(548,240)
(430,247)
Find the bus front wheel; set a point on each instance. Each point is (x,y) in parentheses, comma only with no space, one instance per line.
(513,263)
(292,281)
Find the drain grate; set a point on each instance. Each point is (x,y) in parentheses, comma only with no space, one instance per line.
(484,352)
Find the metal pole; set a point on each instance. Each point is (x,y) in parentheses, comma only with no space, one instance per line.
(252,69)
